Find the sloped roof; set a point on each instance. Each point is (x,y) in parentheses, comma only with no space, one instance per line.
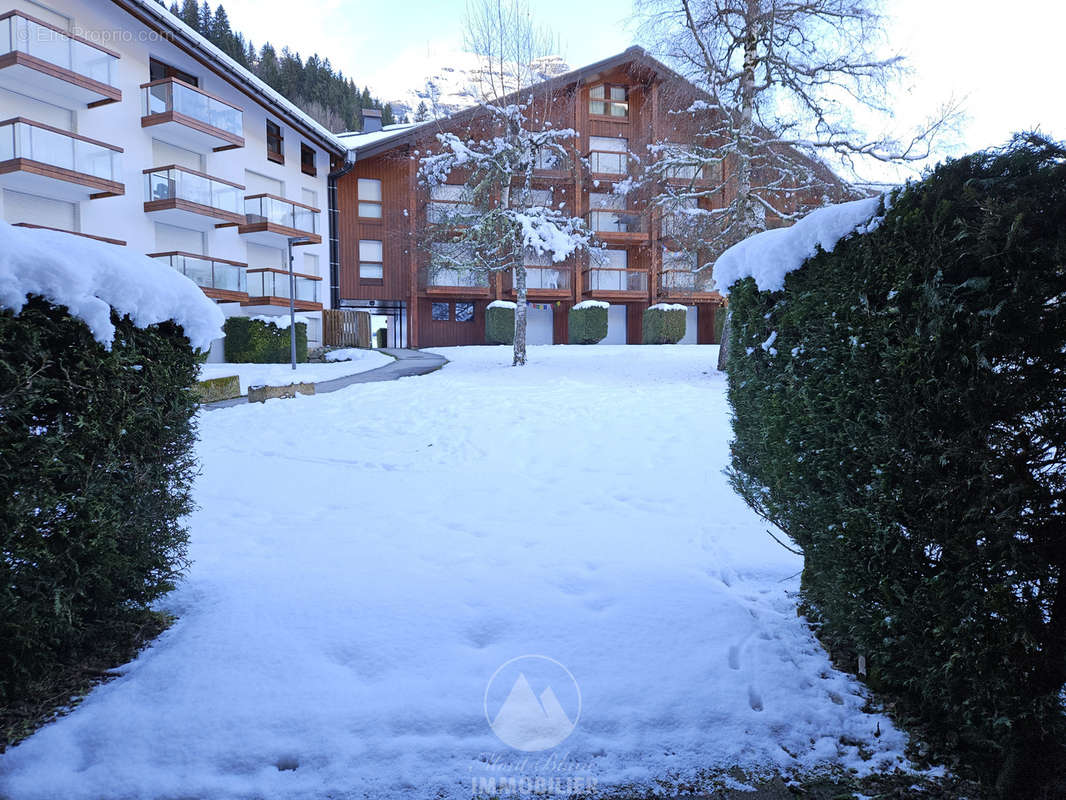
(180,33)
(366,145)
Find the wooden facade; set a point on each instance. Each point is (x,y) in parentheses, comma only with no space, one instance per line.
(569,101)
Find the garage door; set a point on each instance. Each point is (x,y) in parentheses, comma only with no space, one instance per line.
(616,325)
(539,323)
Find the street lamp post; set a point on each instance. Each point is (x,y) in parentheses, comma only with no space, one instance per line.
(293,240)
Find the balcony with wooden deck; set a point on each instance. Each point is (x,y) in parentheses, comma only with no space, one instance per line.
(271,220)
(610,165)
(457,283)
(104,239)
(269,287)
(615,283)
(187,116)
(45,62)
(190,199)
(221,280)
(619,226)
(50,162)
(542,282)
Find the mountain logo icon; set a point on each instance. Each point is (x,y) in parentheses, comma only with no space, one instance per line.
(525,720)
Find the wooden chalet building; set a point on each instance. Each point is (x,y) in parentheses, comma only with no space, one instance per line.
(618,107)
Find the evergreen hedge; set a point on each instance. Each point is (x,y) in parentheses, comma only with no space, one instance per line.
(96,464)
(907,429)
(499,325)
(663,325)
(253,341)
(587,325)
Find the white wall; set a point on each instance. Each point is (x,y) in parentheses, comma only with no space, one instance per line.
(616,325)
(120,124)
(690,326)
(539,325)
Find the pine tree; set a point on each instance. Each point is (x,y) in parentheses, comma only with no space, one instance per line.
(422,114)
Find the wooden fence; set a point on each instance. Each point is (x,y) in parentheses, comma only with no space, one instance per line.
(345,328)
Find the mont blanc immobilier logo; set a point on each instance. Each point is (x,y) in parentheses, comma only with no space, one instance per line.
(532,703)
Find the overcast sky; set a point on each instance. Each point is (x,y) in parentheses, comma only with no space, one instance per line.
(1006,59)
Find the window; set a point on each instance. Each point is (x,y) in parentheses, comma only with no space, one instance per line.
(608,155)
(158,71)
(307,160)
(369,198)
(440,312)
(371,260)
(464,312)
(608,100)
(275,143)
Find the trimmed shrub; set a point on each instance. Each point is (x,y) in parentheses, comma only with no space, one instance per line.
(906,428)
(253,341)
(587,323)
(499,324)
(664,324)
(96,465)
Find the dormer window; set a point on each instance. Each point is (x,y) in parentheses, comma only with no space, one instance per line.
(609,100)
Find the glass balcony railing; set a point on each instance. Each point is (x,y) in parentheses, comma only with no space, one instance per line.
(546,278)
(21,33)
(279,211)
(207,272)
(617,280)
(21,138)
(172,95)
(616,221)
(458,278)
(178,183)
(608,162)
(267,282)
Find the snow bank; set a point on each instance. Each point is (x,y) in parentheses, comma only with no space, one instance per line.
(770,255)
(283,374)
(91,278)
(503,304)
(669,307)
(592,304)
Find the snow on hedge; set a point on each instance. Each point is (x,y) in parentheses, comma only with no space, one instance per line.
(769,256)
(591,304)
(91,278)
(503,304)
(669,307)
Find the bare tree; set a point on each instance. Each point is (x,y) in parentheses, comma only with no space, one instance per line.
(497,218)
(784,83)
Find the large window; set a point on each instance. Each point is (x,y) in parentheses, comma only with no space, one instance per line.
(608,155)
(464,312)
(608,100)
(371,259)
(158,71)
(307,160)
(275,143)
(441,312)
(369,198)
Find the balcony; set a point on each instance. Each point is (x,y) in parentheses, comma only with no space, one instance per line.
(271,220)
(45,62)
(608,162)
(681,283)
(189,199)
(457,282)
(104,239)
(268,286)
(46,161)
(622,226)
(544,282)
(619,283)
(182,114)
(220,279)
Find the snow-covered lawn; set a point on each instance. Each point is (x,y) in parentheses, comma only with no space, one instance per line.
(283,374)
(366,560)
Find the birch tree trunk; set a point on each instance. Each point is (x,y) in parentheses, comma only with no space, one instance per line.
(745,144)
(520,315)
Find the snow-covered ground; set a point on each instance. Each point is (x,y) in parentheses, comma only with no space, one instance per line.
(283,374)
(367,562)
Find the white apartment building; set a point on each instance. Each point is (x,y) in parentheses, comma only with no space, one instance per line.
(119,122)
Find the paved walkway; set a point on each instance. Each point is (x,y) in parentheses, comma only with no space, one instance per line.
(408,363)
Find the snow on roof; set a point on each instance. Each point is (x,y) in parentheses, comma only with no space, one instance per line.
(167,19)
(354,140)
(91,278)
(769,256)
